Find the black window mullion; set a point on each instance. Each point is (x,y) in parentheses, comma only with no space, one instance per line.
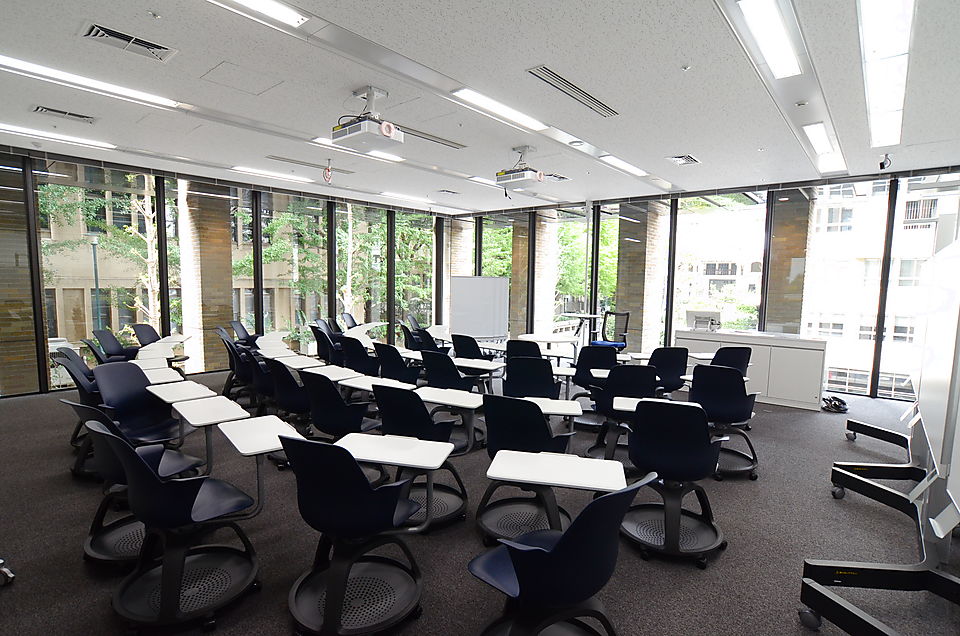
(765,266)
(671,271)
(331,258)
(594,259)
(438,257)
(531,267)
(391,275)
(36,282)
(478,247)
(256,201)
(160,216)
(884,286)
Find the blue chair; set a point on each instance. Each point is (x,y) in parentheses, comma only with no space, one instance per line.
(355,357)
(523,348)
(590,358)
(146,334)
(327,350)
(674,440)
(239,381)
(263,388)
(244,337)
(140,414)
(671,363)
(349,320)
(613,333)
(112,347)
(189,582)
(736,357)
(403,412)
(99,354)
(427,343)
(551,577)
(82,377)
(530,377)
(330,413)
(414,323)
(410,341)
(290,398)
(442,373)
(466,347)
(353,518)
(335,326)
(519,425)
(722,393)
(393,366)
(625,380)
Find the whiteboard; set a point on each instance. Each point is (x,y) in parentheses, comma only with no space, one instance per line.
(479,306)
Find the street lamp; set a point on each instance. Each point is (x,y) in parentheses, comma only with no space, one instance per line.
(94,241)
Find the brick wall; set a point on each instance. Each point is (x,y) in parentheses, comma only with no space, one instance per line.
(460,238)
(546,270)
(788,250)
(518,278)
(642,271)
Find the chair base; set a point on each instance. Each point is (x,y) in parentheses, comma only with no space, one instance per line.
(566,621)
(117,542)
(213,576)
(448,504)
(572,627)
(509,518)
(734,463)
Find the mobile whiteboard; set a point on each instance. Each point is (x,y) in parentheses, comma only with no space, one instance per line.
(479,306)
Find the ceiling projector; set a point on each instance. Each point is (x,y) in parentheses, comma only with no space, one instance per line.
(519,176)
(367,131)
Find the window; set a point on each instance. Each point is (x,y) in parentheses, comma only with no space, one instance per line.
(100,308)
(50,309)
(721,269)
(904,329)
(898,386)
(720,286)
(269,298)
(871,271)
(920,214)
(236,303)
(910,269)
(879,187)
(751,288)
(755,267)
(126,307)
(846,380)
(835,219)
(868,328)
(830,326)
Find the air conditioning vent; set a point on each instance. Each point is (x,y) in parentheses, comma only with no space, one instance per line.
(309,164)
(555,177)
(130,43)
(64,114)
(684,160)
(572,90)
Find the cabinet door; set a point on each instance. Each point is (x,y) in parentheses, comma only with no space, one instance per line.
(796,374)
(697,345)
(759,366)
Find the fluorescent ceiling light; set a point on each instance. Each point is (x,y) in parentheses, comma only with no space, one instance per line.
(273,175)
(484,181)
(819,139)
(67,139)
(884,46)
(78,81)
(276,10)
(385,155)
(766,26)
(619,163)
(495,107)
(407,197)
(831,162)
(326,141)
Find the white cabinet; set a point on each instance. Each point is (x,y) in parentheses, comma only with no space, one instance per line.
(785,369)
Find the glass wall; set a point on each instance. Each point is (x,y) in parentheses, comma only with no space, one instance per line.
(563,268)
(415,267)
(632,270)
(294,264)
(362,264)
(925,223)
(719,259)
(18,352)
(459,253)
(505,252)
(98,245)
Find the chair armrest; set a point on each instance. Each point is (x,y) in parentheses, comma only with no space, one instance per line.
(719,438)
(521,547)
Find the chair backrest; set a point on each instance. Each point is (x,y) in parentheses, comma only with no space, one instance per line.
(146,334)
(404,413)
(441,370)
(329,482)
(427,343)
(736,357)
(593,357)
(584,558)
(81,375)
(626,380)
(524,348)
(615,325)
(324,326)
(106,463)
(410,341)
(466,346)
(123,386)
(326,350)
(673,440)
(261,376)
(349,320)
(332,322)
(671,363)
(519,425)
(95,350)
(108,341)
(414,323)
(241,368)
(355,357)
(392,364)
(288,393)
(328,410)
(240,330)
(158,504)
(722,393)
(530,377)
(74,358)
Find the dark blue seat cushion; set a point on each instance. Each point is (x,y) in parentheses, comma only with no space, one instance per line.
(495,567)
(218,498)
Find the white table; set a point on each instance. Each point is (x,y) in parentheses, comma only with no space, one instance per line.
(603,374)
(404,452)
(439,332)
(359,333)
(566,373)
(154,352)
(206,412)
(555,470)
(689,378)
(639,356)
(255,437)
(152,363)
(628,404)
(301,362)
(162,375)
(410,354)
(180,391)
(276,353)
(367,382)
(462,403)
(567,409)
(478,364)
(174,338)
(333,372)
(553,339)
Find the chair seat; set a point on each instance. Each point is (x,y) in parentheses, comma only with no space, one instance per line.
(608,343)
(173,463)
(406,508)
(218,498)
(495,567)
(163,432)
(369,424)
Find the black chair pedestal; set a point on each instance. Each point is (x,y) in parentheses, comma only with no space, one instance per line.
(348,591)
(190,582)
(118,541)
(511,517)
(735,462)
(449,503)
(672,530)
(550,622)
(608,444)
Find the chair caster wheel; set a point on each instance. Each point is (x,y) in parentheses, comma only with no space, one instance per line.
(838,492)
(717,477)
(281,467)
(256,586)
(645,555)
(810,619)
(209,625)
(852,436)
(747,427)
(701,563)
(754,476)
(417,612)
(722,546)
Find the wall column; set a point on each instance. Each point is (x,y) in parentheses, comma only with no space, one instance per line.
(787,261)
(641,270)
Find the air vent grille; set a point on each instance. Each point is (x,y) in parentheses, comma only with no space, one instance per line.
(309,164)
(572,90)
(64,114)
(130,43)
(684,160)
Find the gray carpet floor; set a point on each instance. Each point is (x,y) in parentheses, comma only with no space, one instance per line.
(752,588)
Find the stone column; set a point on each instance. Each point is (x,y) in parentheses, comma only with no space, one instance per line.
(641,271)
(546,270)
(788,251)
(206,273)
(518,277)
(459,238)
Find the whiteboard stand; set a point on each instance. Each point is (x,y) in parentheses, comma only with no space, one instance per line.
(479,306)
